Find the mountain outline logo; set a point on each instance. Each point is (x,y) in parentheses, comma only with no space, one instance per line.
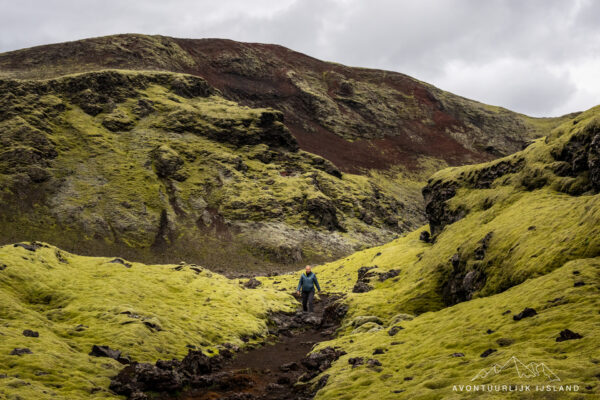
(524,371)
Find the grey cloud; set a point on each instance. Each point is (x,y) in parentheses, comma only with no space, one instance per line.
(543,39)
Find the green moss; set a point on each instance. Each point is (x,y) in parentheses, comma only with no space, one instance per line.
(114,304)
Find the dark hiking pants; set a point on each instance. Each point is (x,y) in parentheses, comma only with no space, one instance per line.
(307,300)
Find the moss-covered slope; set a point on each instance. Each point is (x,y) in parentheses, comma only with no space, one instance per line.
(520,232)
(160,167)
(357,118)
(148,312)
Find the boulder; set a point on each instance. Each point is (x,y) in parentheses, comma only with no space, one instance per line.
(106,351)
(526,313)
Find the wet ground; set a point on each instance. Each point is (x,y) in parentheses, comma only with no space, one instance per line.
(268,372)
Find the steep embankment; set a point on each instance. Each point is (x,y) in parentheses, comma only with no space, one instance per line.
(160,167)
(518,233)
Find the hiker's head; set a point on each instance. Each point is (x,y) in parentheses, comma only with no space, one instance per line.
(307,269)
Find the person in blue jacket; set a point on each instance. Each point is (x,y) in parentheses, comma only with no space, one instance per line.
(308,281)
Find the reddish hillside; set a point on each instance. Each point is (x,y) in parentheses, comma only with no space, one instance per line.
(357,118)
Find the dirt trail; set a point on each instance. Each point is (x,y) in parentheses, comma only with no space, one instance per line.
(270,372)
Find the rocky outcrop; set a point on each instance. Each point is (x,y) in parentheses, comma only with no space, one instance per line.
(437,192)
(580,156)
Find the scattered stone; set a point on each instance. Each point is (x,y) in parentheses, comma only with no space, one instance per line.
(153,325)
(408,378)
(31,247)
(59,256)
(252,283)
(105,351)
(483,246)
(291,366)
(372,362)
(506,312)
(503,342)
(425,237)
(457,355)
(378,350)
(20,351)
(579,283)
(30,333)
(489,331)
(389,274)
(356,361)
(394,330)
(568,335)
(526,313)
(576,272)
(120,261)
(3,267)
(361,287)
(487,352)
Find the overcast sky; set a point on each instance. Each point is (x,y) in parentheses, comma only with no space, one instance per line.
(539,57)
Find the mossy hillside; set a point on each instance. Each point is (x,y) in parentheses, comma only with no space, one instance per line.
(149,161)
(503,241)
(395,116)
(149,312)
(417,362)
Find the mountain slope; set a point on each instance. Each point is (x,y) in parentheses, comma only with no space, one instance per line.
(520,232)
(221,165)
(421,317)
(159,166)
(357,118)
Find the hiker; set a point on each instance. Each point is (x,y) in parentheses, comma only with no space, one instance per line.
(308,281)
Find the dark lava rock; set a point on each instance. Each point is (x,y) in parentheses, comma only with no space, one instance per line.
(30,333)
(333,314)
(408,378)
(322,212)
(362,282)
(389,274)
(425,237)
(3,267)
(31,247)
(137,378)
(120,261)
(373,362)
(291,366)
(394,330)
(356,361)
(579,283)
(487,352)
(483,246)
(361,287)
(378,350)
(489,331)
(461,284)
(105,351)
(153,326)
(457,355)
(568,335)
(252,283)
(20,351)
(322,359)
(503,342)
(526,313)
